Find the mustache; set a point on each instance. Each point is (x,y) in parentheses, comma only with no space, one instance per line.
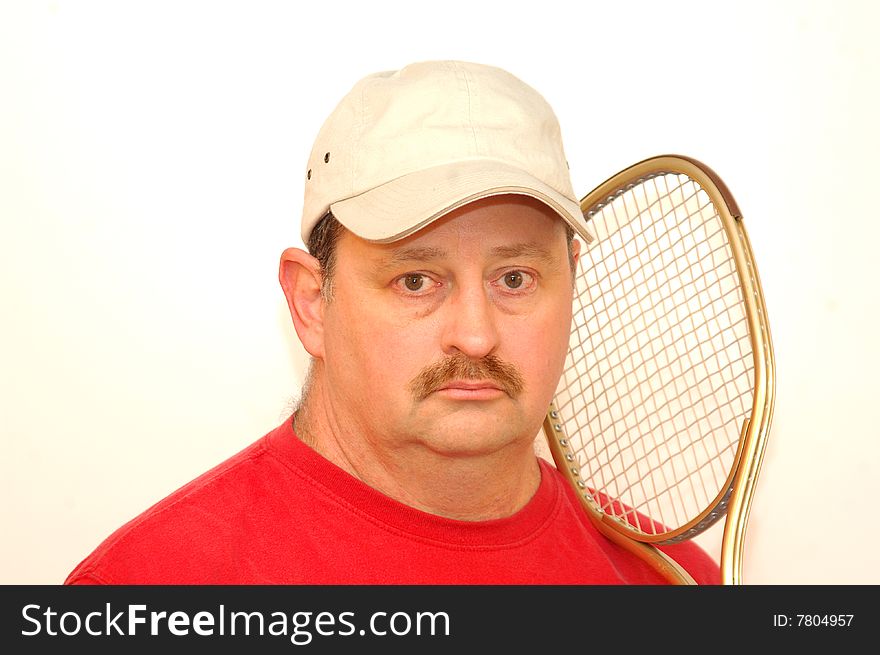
(460,367)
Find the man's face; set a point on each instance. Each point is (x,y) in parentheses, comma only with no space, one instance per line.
(451,339)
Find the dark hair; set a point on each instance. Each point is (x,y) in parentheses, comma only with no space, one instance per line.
(322,246)
(325,235)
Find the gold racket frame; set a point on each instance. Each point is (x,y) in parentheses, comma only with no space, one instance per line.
(736,495)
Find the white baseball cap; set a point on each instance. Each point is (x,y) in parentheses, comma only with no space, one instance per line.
(405,147)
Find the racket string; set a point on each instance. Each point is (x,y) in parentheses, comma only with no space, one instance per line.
(658,376)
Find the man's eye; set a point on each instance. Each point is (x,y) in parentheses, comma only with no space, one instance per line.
(513,280)
(414,281)
(516,282)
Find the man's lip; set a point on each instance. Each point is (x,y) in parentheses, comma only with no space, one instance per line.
(469,385)
(470,390)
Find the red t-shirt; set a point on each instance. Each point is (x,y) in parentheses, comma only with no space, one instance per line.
(279,513)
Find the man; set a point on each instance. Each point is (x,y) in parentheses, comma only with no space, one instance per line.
(435,301)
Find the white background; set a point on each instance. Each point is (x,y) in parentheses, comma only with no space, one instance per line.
(152,160)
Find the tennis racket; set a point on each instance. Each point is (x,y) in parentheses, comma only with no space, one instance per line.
(662,414)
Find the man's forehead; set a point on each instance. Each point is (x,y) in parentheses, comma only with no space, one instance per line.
(496,234)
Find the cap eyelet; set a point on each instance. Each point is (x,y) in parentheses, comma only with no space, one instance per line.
(327,158)
(309,174)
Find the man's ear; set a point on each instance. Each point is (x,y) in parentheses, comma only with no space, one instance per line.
(575,251)
(300,277)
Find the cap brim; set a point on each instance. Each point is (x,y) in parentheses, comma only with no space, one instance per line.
(407,204)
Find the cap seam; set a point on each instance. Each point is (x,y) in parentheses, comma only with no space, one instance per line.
(467,84)
(352,141)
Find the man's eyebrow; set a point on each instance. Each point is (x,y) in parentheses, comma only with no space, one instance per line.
(530,249)
(427,253)
(413,253)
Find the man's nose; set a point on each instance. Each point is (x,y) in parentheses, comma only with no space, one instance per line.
(470,322)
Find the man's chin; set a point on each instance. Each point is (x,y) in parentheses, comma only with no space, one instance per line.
(471,429)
